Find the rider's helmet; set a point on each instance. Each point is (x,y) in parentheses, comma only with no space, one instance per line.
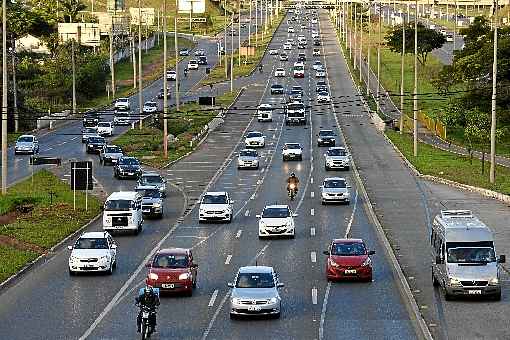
(148,290)
(292,174)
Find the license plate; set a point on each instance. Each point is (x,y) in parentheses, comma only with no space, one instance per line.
(350,271)
(130,174)
(169,285)
(475,292)
(253,308)
(146,210)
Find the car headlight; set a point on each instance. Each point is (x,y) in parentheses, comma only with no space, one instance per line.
(273,300)
(157,205)
(104,258)
(319,139)
(494,281)
(367,262)
(333,263)
(236,301)
(262,224)
(454,282)
(153,276)
(73,258)
(185,276)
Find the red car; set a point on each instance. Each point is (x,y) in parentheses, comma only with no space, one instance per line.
(349,259)
(173,270)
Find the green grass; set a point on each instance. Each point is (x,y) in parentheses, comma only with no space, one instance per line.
(456,136)
(12,137)
(12,260)
(147,143)
(435,162)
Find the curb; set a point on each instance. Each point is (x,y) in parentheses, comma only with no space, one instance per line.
(416,318)
(10,280)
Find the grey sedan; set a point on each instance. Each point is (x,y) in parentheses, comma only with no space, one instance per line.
(335,190)
(248,159)
(255,292)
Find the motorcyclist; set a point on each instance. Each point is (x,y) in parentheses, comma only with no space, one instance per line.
(260,68)
(292,180)
(149,298)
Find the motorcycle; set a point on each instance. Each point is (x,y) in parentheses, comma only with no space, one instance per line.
(146,328)
(292,191)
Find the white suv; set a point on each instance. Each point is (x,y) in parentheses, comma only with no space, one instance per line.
(215,206)
(93,252)
(122,104)
(193,64)
(105,129)
(292,151)
(276,220)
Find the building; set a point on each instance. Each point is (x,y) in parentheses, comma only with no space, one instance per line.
(30,43)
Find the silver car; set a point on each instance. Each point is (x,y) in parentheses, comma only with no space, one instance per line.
(335,190)
(152,180)
(110,154)
(26,144)
(336,158)
(248,159)
(152,201)
(255,292)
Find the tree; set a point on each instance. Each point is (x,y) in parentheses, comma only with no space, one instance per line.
(428,40)
(71,9)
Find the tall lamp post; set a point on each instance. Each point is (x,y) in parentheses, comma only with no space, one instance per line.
(415,94)
(165,85)
(492,174)
(140,97)
(4,97)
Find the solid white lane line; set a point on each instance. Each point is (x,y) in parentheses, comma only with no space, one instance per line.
(313,257)
(189,236)
(312,194)
(312,231)
(312,211)
(311,180)
(323,312)
(229,257)
(247,213)
(213,298)
(351,219)
(239,232)
(314,295)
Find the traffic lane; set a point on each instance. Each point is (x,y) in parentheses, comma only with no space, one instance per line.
(487,322)
(76,300)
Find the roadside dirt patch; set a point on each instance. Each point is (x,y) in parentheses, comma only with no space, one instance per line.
(12,242)
(8,218)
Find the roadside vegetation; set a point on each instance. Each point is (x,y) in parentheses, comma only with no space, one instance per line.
(35,215)
(186,126)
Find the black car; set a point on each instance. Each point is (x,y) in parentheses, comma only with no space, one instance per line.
(91,119)
(301,46)
(95,144)
(127,167)
(161,91)
(301,57)
(316,42)
(202,60)
(277,89)
(326,137)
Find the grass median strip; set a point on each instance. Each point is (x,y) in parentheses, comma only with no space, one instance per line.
(439,163)
(186,126)
(36,214)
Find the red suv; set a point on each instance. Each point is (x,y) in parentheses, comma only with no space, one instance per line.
(173,270)
(349,259)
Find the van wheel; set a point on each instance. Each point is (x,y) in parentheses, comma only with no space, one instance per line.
(435,283)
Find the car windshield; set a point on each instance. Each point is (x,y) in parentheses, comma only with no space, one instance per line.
(25,139)
(337,152)
(170,261)
(296,106)
(276,213)
(298,68)
(471,255)
(113,149)
(88,130)
(334,183)
(129,161)
(91,243)
(348,249)
(325,133)
(323,93)
(150,104)
(248,153)
(214,199)
(104,125)
(255,280)
(151,179)
(150,193)
(276,86)
(292,146)
(118,205)
(254,134)
(96,140)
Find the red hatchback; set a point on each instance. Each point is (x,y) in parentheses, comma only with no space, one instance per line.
(349,259)
(173,270)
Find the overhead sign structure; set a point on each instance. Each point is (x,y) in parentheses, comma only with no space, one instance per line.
(87,33)
(191,6)
(43,160)
(148,15)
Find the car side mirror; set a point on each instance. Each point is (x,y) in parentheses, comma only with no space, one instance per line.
(280,285)
(70,247)
(257,216)
(230,284)
(232,201)
(326,252)
(349,186)
(148,264)
(295,215)
(371,252)
(439,260)
(114,246)
(502,259)
(194,266)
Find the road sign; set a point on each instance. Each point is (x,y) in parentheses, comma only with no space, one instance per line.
(195,6)
(192,19)
(81,176)
(42,160)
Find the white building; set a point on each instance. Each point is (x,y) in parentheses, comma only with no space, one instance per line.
(30,43)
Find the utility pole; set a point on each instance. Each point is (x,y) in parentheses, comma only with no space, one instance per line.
(360,43)
(249,27)
(232,55)
(225,36)
(165,86)
(350,30)
(112,65)
(140,98)
(368,52)
(133,57)
(455,25)
(378,92)
(15,86)
(176,47)
(415,94)
(403,53)
(355,33)
(239,34)
(256,25)
(4,97)
(73,62)
(494,92)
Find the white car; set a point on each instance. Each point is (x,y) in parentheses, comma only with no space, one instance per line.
(314,21)
(290,41)
(171,75)
(200,52)
(248,159)
(273,51)
(335,190)
(279,72)
(26,144)
(255,139)
(299,72)
(93,252)
(315,36)
(265,113)
(299,64)
(122,104)
(192,64)
(284,57)
(336,158)
(290,29)
(443,31)
(150,107)
(215,206)
(316,52)
(320,73)
(323,97)
(105,129)
(276,220)
(287,46)
(292,151)
(317,65)
(449,38)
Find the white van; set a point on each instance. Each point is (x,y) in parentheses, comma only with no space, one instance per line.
(265,113)
(464,256)
(123,211)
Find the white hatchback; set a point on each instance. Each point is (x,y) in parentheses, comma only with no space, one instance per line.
(279,72)
(276,220)
(93,252)
(255,139)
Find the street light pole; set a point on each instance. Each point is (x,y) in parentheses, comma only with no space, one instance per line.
(239,33)
(415,94)
(4,97)
(140,98)
(165,86)
(402,74)
(360,42)
(73,62)
(176,47)
(378,92)
(368,52)
(112,65)
(232,55)
(492,174)
(15,86)
(249,27)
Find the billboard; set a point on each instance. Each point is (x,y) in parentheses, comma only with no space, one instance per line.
(115,5)
(198,6)
(148,15)
(88,34)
